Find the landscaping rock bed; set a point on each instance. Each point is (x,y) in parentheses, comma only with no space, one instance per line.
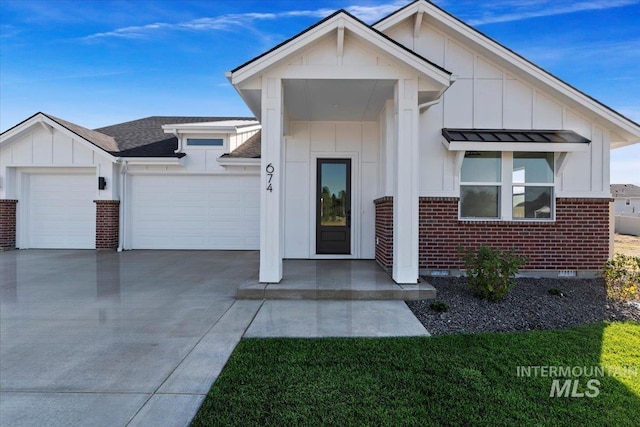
(528,306)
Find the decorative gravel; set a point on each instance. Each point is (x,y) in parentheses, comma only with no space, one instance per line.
(527,307)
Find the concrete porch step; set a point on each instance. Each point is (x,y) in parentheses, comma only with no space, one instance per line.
(291,290)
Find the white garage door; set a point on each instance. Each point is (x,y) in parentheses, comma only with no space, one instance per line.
(194,212)
(60,212)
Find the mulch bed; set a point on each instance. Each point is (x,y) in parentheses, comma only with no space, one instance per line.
(529,306)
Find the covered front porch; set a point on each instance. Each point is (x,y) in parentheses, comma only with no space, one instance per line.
(338,100)
(334,280)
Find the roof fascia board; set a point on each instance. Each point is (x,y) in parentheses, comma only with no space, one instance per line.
(554,147)
(39,119)
(188,129)
(238,161)
(398,16)
(351,24)
(155,161)
(515,60)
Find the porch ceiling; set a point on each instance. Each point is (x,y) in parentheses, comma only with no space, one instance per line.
(336,100)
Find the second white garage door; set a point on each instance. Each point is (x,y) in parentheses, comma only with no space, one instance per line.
(194,212)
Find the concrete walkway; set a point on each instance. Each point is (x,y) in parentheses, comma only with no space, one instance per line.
(138,338)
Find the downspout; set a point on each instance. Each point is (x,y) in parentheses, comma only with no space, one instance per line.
(427,105)
(180,147)
(423,107)
(123,186)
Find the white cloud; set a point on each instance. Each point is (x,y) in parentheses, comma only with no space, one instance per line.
(518,10)
(242,20)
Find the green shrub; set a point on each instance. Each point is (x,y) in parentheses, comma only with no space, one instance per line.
(439,306)
(491,271)
(622,277)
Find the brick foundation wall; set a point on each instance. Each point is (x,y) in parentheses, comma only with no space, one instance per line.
(8,224)
(107,224)
(577,240)
(384,231)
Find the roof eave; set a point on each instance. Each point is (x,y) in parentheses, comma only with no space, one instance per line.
(269,58)
(14,133)
(238,161)
(629,129)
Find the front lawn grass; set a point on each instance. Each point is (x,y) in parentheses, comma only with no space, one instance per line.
(456,380)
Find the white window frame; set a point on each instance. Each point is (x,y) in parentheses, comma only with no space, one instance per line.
(505,204)
(207,147)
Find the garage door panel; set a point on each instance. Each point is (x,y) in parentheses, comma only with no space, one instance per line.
(195,212)
(60,212)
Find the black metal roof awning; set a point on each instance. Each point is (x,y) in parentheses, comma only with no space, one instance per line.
(560,141)
(510,135)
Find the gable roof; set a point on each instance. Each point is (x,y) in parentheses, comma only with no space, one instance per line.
(96,140)
(315,31)
(250,149)
(328,18)
(628,126)
(146,138)
(625,190)
(137,138)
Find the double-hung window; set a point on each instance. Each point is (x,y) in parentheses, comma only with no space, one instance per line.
(480,185)
(507,186)
(532,184)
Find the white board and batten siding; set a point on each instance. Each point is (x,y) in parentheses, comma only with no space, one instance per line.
(308,142)
(193,212)
(490,94)
(54,177)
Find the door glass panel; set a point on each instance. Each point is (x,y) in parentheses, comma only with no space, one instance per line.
(333,197)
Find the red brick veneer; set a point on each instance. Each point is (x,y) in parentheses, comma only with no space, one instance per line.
(107,224)
(7,224)
(577,240)
(384,231)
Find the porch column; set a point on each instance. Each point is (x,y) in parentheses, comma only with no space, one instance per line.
(271,182)
(405,203)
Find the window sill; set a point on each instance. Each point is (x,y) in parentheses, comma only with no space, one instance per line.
(508,221)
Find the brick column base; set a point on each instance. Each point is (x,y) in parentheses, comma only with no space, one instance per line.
(107,224)
(7,224)
(384,232)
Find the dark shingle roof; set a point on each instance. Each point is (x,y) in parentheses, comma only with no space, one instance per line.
(513,135)
(249,150)
(103,141)
(625,190)
(146,138)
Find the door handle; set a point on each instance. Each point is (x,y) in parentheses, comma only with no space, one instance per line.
(348,217)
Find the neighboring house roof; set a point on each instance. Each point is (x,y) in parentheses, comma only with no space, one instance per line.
(625,190)
(146,138)
(630,128)
(509,135)
(250,149)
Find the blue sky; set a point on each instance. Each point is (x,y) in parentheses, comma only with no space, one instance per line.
(102,62)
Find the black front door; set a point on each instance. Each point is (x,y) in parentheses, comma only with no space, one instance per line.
(333,207)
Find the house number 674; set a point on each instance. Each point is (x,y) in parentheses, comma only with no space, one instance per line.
(270,170)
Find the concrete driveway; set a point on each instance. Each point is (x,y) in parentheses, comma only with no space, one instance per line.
(108,339)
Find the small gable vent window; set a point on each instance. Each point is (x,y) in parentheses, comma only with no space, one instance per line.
(205,142)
